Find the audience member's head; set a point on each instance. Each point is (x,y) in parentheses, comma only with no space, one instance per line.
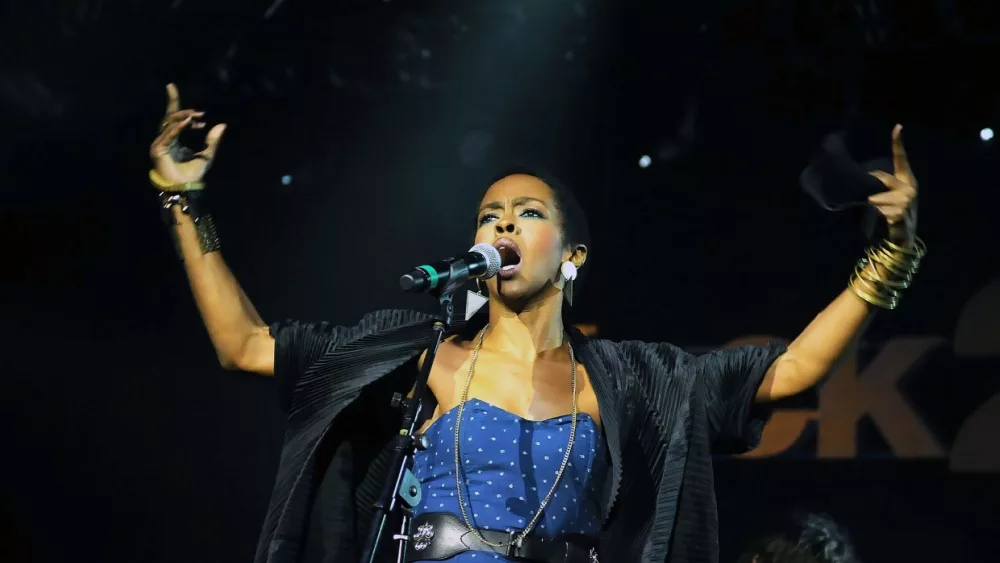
(806,538)
(776,549)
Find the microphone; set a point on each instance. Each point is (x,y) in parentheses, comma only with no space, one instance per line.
(481,261)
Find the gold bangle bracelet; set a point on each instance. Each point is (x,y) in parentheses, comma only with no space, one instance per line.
(875,289)
(870,268)
(899,266)
(163,185)
(876,300)
(884,271)
(919,248)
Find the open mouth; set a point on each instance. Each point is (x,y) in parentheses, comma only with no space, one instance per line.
(510,257)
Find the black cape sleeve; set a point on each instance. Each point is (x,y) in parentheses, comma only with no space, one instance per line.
(728,382)
(297,345)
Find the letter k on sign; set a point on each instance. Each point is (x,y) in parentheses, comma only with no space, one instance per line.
(847,396)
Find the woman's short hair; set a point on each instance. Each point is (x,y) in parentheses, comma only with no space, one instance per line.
(576,229)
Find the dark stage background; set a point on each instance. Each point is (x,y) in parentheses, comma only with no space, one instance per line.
(360,140)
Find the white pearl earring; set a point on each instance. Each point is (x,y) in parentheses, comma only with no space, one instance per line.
(569,272)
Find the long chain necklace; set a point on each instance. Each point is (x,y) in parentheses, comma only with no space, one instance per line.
(458,466)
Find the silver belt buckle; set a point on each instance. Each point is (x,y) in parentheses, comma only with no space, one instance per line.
(422,538)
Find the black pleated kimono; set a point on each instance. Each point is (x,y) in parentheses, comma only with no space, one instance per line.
(664,412)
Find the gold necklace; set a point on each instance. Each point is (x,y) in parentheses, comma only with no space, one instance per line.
(458,465)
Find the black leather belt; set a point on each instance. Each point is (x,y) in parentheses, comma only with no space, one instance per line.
(436,536)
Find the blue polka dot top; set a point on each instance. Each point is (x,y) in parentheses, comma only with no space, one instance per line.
(510,464)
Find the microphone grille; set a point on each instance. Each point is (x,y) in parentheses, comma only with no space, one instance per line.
(492,256)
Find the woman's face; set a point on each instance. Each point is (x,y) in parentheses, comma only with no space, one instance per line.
(518,216)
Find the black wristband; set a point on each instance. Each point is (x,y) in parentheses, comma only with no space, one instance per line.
(190,202)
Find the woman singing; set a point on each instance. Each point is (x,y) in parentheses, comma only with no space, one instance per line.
(544,445)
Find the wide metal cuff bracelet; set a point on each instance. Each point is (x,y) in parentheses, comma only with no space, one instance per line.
(189,202)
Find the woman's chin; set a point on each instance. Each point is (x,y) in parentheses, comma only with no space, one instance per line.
(517,293)
(513,290)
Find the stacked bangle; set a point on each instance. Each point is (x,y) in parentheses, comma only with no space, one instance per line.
(885,271)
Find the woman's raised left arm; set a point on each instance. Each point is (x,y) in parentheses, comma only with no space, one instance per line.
(881,275)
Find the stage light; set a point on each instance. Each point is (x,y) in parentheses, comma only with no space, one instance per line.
(286,180)
(986,134)
(645,161)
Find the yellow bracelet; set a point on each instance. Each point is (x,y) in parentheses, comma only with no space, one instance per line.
(160,183)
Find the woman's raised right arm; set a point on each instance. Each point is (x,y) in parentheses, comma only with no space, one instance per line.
(241,338)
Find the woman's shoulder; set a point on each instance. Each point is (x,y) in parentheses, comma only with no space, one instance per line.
(646,365)
(372,323)
(637,352)
(379,318)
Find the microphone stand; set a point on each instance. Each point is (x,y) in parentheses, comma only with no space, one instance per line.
(401,487)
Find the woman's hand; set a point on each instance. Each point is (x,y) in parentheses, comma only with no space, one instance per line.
(899,204)
(175,163)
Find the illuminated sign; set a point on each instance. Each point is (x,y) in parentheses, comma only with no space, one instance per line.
(872,392)
(850,395)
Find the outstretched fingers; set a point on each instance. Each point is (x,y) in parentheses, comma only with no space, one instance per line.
(161,145)
(184,114)
(900,161)
(173,99)
(892,197)
(895,183)
(212,141)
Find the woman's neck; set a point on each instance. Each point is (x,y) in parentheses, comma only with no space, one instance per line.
(536,329)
